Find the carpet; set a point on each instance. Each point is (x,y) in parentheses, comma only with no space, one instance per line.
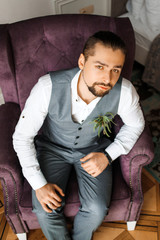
(150,101)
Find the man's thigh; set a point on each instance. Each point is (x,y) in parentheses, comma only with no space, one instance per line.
(55,169)
(94,189)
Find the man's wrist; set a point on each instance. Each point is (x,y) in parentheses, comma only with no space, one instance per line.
(108,157)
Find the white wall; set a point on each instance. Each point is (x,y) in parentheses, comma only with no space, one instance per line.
(101,7)
(16,10)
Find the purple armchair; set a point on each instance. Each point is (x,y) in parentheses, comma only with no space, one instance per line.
(30,49)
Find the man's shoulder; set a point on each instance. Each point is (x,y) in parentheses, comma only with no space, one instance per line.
(45,81)
(128,91)
(127,86)
(126,82)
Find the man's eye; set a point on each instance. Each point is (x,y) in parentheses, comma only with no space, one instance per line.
(116,70)
(99,67)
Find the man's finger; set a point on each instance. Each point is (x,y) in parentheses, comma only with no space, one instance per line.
(87,167)
(46,208)
(54,203)
(87,157)
(59,190)
(94,175)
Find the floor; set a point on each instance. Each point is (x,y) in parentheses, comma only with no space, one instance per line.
(148,226)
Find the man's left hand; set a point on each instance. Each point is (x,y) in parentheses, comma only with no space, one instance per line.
(94,163)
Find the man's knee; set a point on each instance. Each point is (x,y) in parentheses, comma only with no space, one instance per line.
(97,210)
(38,209)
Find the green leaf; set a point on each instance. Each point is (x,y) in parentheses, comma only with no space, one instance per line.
(105,131)
(105,118)
(96,126)
(108,128)
(99,131)
(109,113)
(113,122)
(104,121)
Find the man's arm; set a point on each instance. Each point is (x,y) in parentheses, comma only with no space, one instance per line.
(31,120)
(29,123)
(132,117)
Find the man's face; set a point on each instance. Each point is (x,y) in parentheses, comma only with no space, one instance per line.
(101,71)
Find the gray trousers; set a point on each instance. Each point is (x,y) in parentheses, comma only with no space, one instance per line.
(94,194)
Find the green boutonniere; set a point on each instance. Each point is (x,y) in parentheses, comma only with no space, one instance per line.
(104,122)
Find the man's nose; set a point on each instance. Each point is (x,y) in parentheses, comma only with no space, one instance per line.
(107,77)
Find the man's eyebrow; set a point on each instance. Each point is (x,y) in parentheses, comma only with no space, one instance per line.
(103,64)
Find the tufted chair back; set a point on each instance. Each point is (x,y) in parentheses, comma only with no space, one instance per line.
(44,44)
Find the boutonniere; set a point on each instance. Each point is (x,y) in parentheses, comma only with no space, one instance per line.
(104,122)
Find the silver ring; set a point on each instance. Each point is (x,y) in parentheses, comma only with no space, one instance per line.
(49,204)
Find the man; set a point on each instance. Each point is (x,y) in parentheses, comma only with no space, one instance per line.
(65,104)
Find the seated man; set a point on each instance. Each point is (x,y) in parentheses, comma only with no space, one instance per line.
(75,109)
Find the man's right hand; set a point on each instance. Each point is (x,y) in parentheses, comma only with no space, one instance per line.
(48,197)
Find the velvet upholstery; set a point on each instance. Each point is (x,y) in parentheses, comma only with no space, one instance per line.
(29,49)
(7,75)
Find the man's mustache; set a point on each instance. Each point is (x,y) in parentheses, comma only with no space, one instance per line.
(103,84)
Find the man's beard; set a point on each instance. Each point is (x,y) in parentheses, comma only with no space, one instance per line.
(99,93)
(93,90)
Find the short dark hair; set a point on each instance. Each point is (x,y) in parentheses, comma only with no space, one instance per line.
(106,38)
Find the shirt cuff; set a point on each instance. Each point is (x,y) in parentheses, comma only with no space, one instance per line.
(37,181)
(114,151)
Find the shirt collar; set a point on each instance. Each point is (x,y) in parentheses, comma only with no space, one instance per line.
(74,83)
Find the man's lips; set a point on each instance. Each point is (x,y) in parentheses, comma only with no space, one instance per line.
(102,87)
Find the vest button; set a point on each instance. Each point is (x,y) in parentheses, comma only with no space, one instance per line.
(79,128)
(77,137)
(75,143)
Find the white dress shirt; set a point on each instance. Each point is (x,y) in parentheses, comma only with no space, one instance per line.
(35,112)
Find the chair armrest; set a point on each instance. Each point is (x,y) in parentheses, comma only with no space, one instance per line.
(10,170)
(131,166)
(140,155)
(143,150)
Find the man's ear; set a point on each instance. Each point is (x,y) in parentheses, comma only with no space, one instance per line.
(81,61)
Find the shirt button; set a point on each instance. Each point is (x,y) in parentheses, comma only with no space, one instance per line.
(79,128)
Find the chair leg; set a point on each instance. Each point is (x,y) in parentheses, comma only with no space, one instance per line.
(22,236)
(131,225)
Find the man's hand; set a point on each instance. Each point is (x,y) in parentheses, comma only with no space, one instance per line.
(94,163)
(48,197)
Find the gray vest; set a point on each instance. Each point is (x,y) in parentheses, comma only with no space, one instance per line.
(61,131)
